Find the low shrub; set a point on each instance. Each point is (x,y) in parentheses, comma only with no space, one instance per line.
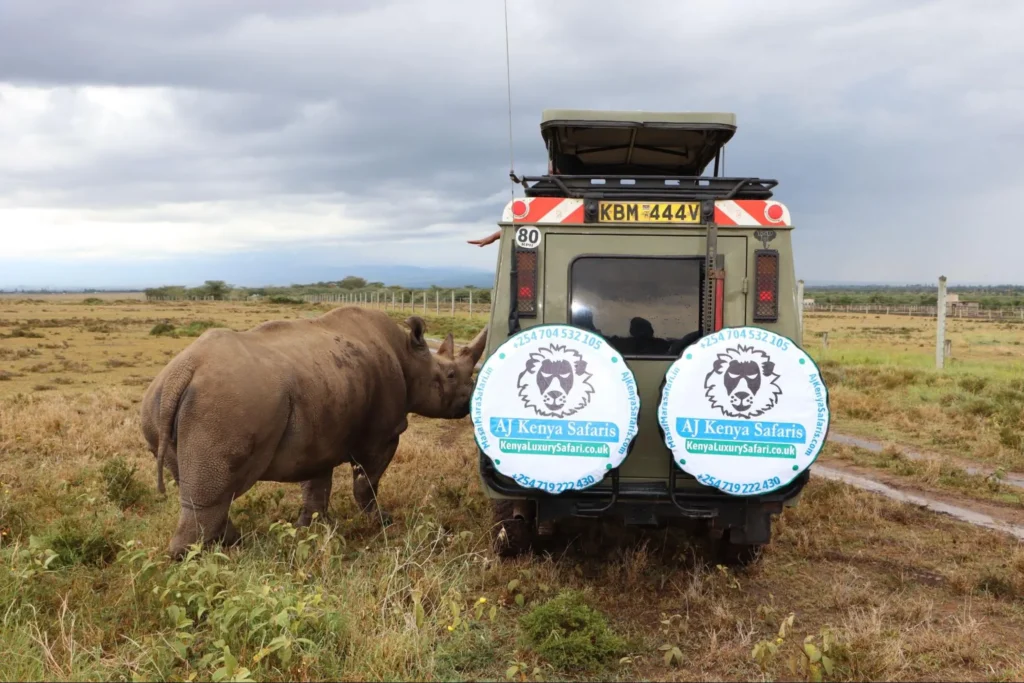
(570,634)
(121,486)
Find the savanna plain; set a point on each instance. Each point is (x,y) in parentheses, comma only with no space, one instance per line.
(854,586)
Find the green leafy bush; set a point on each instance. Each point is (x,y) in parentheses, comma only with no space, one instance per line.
(570,634)
(281,299)
(121,486)
(75,544)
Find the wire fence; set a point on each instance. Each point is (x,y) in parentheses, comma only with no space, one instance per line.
(437,302)
(954,310)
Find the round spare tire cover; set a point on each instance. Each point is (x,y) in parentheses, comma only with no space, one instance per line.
(744,410)
(555,407)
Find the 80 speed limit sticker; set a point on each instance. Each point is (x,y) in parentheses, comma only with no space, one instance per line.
(527,237)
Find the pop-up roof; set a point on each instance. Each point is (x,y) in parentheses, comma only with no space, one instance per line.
(585,142)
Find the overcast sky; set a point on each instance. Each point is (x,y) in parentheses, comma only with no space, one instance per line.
(379,130)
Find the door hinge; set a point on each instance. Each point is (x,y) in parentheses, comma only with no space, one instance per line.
(744,285)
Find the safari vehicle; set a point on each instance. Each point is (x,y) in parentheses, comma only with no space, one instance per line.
(627,236)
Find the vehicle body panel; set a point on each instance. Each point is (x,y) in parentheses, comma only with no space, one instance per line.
(611,177)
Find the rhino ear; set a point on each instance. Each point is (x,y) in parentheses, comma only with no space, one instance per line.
(417,326)
(447,347)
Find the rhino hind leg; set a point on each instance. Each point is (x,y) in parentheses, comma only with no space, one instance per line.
(366,477)
(316,495)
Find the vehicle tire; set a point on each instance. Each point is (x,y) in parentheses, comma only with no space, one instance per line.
(736,554)
(509,537)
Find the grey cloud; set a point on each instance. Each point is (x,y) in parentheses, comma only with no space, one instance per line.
(373,104)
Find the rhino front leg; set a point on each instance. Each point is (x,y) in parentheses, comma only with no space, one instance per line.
(316,494)
(366,476)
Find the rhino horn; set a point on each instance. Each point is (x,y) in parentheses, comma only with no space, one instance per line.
(475,348)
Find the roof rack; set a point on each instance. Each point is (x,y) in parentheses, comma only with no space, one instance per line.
(651,187)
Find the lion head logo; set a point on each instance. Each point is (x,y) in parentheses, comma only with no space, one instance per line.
(555,382)
(742,383)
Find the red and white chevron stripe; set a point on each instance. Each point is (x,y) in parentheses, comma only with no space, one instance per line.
(543,210)
(751,212)
(729,212)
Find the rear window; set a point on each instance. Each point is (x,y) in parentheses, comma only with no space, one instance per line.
(644,306)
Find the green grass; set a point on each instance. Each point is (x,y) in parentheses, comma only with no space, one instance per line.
(883,384)
(937,474)
(893,591)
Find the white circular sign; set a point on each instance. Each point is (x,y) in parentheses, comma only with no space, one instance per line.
(555,407)
(744,410)
(527,237)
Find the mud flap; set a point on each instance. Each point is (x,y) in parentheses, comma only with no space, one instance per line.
(756,528)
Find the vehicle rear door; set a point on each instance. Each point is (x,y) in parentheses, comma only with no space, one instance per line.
(642,291)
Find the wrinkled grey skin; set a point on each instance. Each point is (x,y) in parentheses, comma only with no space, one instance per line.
(289,401)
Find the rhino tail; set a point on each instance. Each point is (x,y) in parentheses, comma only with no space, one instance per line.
(170,400)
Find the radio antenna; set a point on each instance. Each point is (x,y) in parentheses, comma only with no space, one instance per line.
(508,83)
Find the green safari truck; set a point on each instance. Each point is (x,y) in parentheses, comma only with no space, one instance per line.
(627,247)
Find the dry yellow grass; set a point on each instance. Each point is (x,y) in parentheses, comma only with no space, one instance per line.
(72,297)
(908,595)
(73,345)
(989,347)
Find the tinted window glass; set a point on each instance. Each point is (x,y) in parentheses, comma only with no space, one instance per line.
(642,306)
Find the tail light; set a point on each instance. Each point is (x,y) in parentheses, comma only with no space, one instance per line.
(526,281)
(766,290)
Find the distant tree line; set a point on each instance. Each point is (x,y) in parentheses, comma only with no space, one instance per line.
(994,296)
(220,290)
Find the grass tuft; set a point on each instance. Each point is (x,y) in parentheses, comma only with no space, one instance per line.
(120,483)
(570,634)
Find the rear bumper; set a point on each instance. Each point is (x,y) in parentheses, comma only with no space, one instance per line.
(649,502)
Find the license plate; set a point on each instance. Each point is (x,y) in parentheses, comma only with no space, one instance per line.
(648,212)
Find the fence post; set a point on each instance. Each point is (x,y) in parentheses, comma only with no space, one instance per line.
(824,340)
(947,348)
(424,303)
(471,304)
(940,327)
(453,303)
(437,302)
(799,312)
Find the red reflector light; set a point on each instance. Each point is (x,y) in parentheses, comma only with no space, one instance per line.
(766,281)
(526,281)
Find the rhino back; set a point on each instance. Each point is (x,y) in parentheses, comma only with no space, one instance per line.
(345,386)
